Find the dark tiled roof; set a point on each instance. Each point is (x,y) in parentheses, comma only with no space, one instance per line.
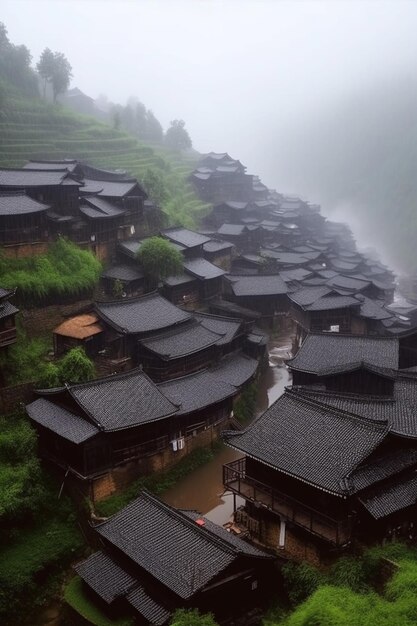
(65,164)
(333,302)
(298,274)
(399,410)
(285,258)
(105,577)
(226,327)
(181,341)
(185,237)
(197,391)
(99,208)
(20,204)
(386,499)
(151,609)
(201,268)
(33,178)
(232,230)
(347,283)
(320,353)
(236,369)
(122,401)
(340,265)
(6,309)
(142,314)
(60,421)
(384,466)
(373,309)
(236,309)
(263,285)
(131,247)
(125,273)
(109,189)
(310,442)
(308,295)
(179,279)
(216,245)
(172,548)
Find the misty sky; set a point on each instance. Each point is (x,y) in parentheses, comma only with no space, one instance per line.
(237,72)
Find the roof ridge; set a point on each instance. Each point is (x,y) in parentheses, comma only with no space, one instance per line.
(367,422)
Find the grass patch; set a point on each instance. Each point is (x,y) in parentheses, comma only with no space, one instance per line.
(157,483)
(244,407)
(76,598)
(63,273)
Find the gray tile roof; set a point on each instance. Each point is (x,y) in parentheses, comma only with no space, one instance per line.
(387,499)
(350,284)
(6,309)
(151,609)
(179,279)
(197,391)
(236,369)
(319,353)
(142,314)
(20,204)
(217,245)
(185,237)
(307,295)
(232,230)
(105,577)
(122,401)
(60,421)
(109,188)
(65,164)
(125,273)
(130,247)
(201,268)
(99,208)
(385,465)
(398,410)
(181,341)
(373,309)
(261,285)
(285,258)
(226,327)
(298,274)
(309,441)
(33,178)
(329,303)
(172,548)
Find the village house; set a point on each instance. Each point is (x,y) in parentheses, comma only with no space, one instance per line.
(322,471)
(108,431)
(8,312)
(263,293)
(138,569)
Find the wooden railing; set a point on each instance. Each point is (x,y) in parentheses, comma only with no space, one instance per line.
(7,337)
(337,532)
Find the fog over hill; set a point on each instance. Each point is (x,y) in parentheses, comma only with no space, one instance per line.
(315,96)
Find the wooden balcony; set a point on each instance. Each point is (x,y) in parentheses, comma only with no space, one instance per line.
(336,532)
(7,337)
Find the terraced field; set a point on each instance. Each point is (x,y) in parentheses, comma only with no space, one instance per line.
(31,129)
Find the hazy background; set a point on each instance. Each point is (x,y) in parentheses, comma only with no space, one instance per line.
(316,97)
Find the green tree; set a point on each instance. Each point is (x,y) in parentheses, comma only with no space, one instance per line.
(76,367)
(61,74)
(177,137)
(159,258)
(192,617)
(45,67)
(154,184)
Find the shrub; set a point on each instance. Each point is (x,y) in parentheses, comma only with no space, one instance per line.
(192,617)
(349,572)
(159,258)
(76,367)
(244,407)
(300,580)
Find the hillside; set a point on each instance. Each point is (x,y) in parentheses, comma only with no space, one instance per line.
(358,157)
(31,129)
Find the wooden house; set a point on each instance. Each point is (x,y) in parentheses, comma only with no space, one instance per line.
(8,312)
(225,182)
(127,320)
(264,293)
(318,475)
(219,252)
(209,277)
(245,237)
(138,570)
(81,330)
(191,242)
(129,277)
(108,431)
(22,219)
(347,363)
(189,347)
(182,290)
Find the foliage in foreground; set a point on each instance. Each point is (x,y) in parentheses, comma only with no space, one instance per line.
(38,532)
(192,617)
(76,598)
(345,595)
(74,367)
(156,483)
(65,271)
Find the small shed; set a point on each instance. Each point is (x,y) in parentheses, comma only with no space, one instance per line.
(81,330)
